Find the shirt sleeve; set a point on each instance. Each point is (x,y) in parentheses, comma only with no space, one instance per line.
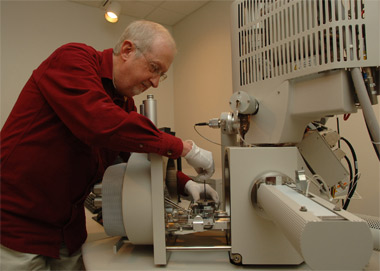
(71,84)
(182,179)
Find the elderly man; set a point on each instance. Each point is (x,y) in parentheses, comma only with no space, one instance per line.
(74,116)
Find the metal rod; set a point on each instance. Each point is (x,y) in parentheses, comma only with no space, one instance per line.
(199,248)
(204,186)
(172,203)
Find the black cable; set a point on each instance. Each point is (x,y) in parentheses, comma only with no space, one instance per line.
(354,180)
(338,130)
(202,124)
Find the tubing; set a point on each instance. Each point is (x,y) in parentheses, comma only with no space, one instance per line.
(369,114)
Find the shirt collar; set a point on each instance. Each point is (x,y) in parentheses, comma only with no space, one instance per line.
(106,68)
(106,71)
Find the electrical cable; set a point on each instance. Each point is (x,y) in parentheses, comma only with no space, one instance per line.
(353,178)
(346,116)
(201,124)
(204,124)
(350,170)
(353,182)
(357,176)
(349,166)
(243,140)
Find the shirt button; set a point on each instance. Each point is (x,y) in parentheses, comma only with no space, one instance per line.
(141,146)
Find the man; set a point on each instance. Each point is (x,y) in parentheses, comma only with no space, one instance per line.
(74,116)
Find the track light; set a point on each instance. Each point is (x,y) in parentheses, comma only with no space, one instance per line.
(113,12)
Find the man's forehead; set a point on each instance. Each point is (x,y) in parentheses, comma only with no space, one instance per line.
(162,53)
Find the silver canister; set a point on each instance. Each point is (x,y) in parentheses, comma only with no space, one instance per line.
(150,108)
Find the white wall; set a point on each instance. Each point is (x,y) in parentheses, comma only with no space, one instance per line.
(202,72)
(32,30)
(203,86)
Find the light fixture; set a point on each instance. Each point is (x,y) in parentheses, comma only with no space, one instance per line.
(113,12)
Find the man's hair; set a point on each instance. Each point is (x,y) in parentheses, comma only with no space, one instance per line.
(143,33)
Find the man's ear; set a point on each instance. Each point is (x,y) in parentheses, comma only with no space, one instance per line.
(126,49)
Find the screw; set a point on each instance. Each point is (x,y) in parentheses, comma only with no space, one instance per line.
(303,209)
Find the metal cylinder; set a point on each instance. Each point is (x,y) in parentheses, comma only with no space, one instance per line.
(199,248)
(244,103)
(127,200)
(368,112)
(142,109)
(150,108)
(310,227)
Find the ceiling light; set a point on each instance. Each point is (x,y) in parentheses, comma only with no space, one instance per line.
(113,12)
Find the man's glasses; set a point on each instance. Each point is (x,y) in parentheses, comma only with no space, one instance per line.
(153,67)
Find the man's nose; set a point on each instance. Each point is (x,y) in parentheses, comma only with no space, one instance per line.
(155,80)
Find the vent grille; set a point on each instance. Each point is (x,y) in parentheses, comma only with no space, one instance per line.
(283,37)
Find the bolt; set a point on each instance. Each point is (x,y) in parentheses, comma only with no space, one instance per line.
(303,209)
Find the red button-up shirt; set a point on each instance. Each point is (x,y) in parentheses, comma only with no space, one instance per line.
(67,126)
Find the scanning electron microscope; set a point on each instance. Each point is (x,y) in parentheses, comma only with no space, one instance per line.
(294,62)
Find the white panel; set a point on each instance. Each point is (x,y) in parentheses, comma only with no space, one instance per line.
(158,213)
(255,238)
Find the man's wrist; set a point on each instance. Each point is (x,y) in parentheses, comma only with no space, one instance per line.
(187,146)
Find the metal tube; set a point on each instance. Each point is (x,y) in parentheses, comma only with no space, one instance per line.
(150,108)
(172,203)
(199,248)
(142,109)
(303,222)
(369,114)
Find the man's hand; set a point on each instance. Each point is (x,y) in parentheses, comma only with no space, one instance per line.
(196,191)
(201,160)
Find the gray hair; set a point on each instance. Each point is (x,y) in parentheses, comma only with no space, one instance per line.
(143,33)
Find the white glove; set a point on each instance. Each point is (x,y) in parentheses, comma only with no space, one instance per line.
(202,161)
(196,190)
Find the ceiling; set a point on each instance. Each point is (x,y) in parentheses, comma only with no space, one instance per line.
(168,12)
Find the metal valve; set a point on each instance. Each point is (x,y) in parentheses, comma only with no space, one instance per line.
(244,103)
